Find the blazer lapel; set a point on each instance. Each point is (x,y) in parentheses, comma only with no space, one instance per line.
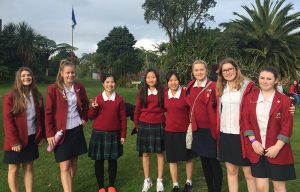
(276,103)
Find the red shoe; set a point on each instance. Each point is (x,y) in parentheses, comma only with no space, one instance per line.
(102,190)
(112,189)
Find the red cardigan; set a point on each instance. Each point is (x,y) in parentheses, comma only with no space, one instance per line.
(205,111)
(280,126)
(15,127)
(109,115)
(57,108)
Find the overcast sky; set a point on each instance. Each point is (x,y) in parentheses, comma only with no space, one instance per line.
(95,18)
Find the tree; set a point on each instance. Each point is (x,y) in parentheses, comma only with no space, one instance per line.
(178,17)
(270,34)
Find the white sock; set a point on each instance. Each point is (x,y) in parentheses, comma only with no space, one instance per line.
(189,181)
(159,179)
(148,179)
(175,184)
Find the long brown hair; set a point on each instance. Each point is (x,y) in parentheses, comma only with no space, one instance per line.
(221,83)
(59,78)
(143,93)
(19,92)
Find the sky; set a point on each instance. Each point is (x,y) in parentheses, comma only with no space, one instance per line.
(96,18)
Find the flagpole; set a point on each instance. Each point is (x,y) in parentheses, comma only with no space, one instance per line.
(72,49)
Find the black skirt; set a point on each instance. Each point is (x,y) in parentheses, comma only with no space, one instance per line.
(74,144)
(105,145)
(203,144)
(176,147)
(27,154)
(231,150)
(150,138)
(265,169)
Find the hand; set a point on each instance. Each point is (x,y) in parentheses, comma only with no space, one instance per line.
(94,103)
(122,140)
(41,141)
(257,147)
(16,148)
(51,141)
(272,151)
(83,122)
(292,109)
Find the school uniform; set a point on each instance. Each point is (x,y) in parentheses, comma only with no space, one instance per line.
(269,121)
(150,122)
(65,110)
(229,119)
(177,121)
(109,127)
(25,129)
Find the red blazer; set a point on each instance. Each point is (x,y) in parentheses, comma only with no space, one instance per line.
(15,127)
(57,108)
(280,124)
(210,101)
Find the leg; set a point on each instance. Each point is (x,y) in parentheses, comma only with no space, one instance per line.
(232,177)
(251,183)
(173,171)
(66,175)
(112,171)
(99,172)
(207,171)
(146,164)
(279,186)
(262,184)
(12,177)
(160,165)
(73,166)
(217,174)
(189,169)
(28,176)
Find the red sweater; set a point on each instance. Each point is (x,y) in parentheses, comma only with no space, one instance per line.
(152,114)
(177,113)
(109,115)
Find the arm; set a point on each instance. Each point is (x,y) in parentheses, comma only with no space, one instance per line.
(93,112)
(123,120)
(85,104)
(49,112)
(137,112)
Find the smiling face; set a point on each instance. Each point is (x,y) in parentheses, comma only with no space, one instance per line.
(109,84)
(26,78)
(173,83)
(199,71)
(151,79)
(68,74)
(267,81)
(229,72)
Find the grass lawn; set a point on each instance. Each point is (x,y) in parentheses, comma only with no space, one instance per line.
(130,173)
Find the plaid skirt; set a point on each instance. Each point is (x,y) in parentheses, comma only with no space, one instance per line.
(150,138)
(105,145)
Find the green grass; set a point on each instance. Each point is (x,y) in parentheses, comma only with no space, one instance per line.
(130,173)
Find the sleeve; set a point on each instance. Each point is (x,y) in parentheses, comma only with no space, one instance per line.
(93,112)
(85,104)
(212,112)
(292,90)
(137,112)
(10,130)
(285,132)
(49,112)
(246,127)
(42,118)
(123,119)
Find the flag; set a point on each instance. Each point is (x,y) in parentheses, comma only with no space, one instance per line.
(73,19)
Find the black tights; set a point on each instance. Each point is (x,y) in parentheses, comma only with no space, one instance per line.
(213,173)
(112,172)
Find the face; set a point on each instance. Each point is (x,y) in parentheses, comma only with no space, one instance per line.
(295,82)
(68,74)
(267,81)
(173,83)
(109,84)
(26,78)
(229,71)
(151,79)
(199,72)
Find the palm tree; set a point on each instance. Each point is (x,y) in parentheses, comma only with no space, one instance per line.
(271,35)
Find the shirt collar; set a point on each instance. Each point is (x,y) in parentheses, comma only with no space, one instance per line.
(112,97)
(154,92)
(202,84)
(177,94)
(69,91)
(262,99)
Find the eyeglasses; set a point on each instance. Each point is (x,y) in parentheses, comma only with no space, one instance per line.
(229,70)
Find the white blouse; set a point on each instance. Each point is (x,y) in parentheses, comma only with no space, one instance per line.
(73,118)
(31,115)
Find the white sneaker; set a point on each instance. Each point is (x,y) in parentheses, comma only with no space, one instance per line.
(147,185)
(159,185)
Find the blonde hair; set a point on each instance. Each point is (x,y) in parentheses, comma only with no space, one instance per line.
(199,62)
(221,82)
(59,78)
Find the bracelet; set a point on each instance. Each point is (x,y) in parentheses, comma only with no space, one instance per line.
(253,140)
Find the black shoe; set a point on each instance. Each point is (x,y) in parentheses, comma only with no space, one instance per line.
(187,187)
(175,189)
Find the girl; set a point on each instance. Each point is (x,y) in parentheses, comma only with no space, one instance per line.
(23,118)
(295,92)
(268,129)
(66,109)
(201,98)
(232,87)
(149,120)
(109,131)
(177,121)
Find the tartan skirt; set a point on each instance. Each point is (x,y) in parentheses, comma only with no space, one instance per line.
(150,138)
(105,145)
